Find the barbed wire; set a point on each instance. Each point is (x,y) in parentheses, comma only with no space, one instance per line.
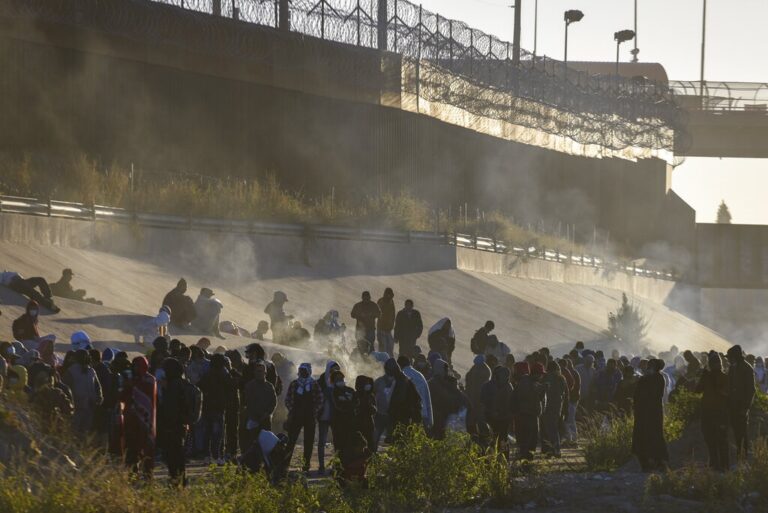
(456,65)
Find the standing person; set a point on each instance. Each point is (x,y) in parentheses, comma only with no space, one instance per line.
(27,287)
(496,407)
(404,401)
(260,401)
(343,416)
(741,394)
(326,414)
(278,320)
(217,387)
(477,376)
(447,399)
(528,401)
(86,392)
(648,442)
(587,372)
(233,363)
(574,396)
(605,384)
(761,376)
(408,329)
(557,395)
(172,416)
(422,387)
(207,312)
(304,401)
(625,392)
(366,312)
(109,390)
(713,385)
(386,323)
(182,306)
(140,398)
(442,338)
(365,408)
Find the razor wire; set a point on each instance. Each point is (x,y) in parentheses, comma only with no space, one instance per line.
(455,64)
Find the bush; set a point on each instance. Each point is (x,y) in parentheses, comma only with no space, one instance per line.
(628,323)
(682,409)
(607,441)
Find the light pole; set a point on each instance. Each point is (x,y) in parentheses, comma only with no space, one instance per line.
(516,36)
(703,48)
(635,50)
(535,27)
(622,36)
(571,16)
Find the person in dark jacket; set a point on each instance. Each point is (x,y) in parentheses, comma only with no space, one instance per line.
(408,329)
(218,388)
(447,399)
(713,385)
(172,415)
(648,442)
(556,389)
(232,410)
(404,406)
(260,401)
(386,323)
(25,327)
(625,391)
(29,287)
(365,313)
(442,338)
(476,378)
(109,390)
(304,402)
(63,288)
(480,339)
(49,401)
(741,394)
(324,419)
(365,403)
(496,408)
(86,392)
(528,401)
(343,420)
(278,319)
(182,306)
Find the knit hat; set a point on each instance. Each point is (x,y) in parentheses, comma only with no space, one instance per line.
(479,359)
(80,340)
(537,369)
(307,366)
(108,355)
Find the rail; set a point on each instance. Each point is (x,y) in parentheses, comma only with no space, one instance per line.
(80,211)
(722,96)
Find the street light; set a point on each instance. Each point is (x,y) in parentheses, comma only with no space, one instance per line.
(622,36)
(571,16)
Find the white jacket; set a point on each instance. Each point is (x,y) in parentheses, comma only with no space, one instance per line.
(420,382)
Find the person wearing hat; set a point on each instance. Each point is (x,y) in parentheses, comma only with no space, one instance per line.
(741,394)
(278,320)
(63,288)
(207,309)
(181,305)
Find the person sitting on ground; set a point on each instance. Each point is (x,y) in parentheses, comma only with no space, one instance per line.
(365,312)
(154,327)
(479,341)
(365,354)
(207,312)
(442,338)
(26,327)
(261,330)
(182,307)
(63,288)
(329,330)
(498,349)
(296,335)
(27,287)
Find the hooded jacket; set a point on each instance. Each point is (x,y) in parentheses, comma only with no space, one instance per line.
(408,325)
(497,397)
(25,327)
(476,378)
(387,314)
(422,387)
(85,386)
(404,401)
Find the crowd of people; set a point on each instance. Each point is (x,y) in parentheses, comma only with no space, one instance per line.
(176,402)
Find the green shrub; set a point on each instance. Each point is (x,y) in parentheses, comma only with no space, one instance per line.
(681,410)
(606,441)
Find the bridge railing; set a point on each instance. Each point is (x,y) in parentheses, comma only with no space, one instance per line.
(722,96)
(103,213)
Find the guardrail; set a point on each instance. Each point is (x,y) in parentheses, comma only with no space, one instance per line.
(69,210)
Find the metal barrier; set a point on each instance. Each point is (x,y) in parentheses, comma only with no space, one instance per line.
(69,210)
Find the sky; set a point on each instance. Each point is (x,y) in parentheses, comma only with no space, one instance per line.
(669,32)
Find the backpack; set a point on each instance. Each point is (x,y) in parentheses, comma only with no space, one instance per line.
(477,344)
(193,403)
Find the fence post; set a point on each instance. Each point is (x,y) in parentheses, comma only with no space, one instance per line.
(382,24)
(216,8)
(418,64)
(450,39)
(50,208)
(284,13)
(322,19)
(358,22)
(235,10)
(544,252)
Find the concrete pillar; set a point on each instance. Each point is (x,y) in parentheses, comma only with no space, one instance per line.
(382,25)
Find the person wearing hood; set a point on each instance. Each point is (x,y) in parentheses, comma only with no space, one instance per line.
(219,391)
(207,312)
(528,401)
(82,380)
(761,376)
(386,322)
(442,338)
(604,385)
(181,305)
(404,408)
(109,391)
(278,320)
(447,399)
(556,388)
(625,391)
(648,442)
(260,400)
(496,348)
(25,327)
(343,422)
(408,329)
(713,385)
(496,407)
(422,387)
(574,396)
(741,394)
(476,378)
(365,312)
(365,408)
(587,373)
(325,417)
(29,287)
(172,416)
(139,395)
(154,327)
(304,402)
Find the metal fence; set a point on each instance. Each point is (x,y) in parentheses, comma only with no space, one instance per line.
(80,211)
(723,96)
